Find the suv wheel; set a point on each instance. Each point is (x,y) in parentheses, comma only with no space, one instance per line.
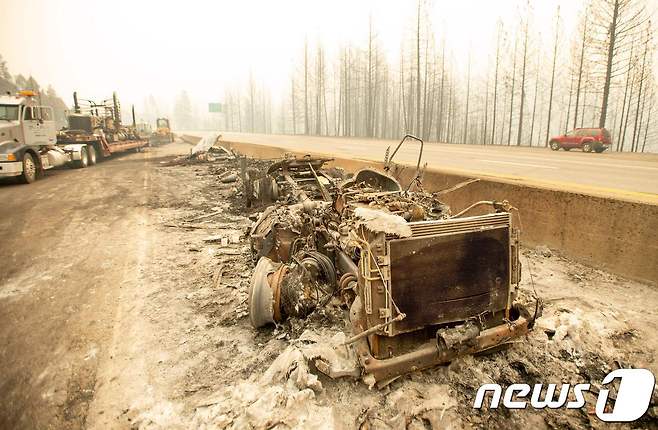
(587,147)
(555,146)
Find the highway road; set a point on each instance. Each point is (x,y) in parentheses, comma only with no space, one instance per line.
(625,176)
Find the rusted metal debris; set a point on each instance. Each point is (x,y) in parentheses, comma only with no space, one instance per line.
(290,179)
(422,286)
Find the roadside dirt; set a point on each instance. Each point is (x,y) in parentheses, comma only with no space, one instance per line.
(123,309)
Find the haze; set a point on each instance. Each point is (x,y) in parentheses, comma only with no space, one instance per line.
(153,47)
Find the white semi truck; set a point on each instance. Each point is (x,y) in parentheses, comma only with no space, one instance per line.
(30,143)
(28,139)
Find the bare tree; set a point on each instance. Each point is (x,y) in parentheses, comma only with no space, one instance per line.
(646,126)
(616,21)
(495,95)
(642,79)
(534,98)
(440,123)
(550,98)
(306,116)
(525,60)
(511,103)
(581,61)
(468,94)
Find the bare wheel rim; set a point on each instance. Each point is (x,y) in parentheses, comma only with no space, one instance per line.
(30,167)
(91,153)
(83,157)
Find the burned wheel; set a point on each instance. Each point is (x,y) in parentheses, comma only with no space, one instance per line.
(555,146)
(262,299)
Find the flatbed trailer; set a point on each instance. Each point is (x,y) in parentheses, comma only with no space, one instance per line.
(102,147)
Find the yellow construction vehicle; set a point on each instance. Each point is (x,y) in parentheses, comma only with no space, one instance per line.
(162,132)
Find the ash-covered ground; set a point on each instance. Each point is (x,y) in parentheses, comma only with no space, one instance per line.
(211,369)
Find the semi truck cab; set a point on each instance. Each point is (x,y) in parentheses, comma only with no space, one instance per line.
(26,128)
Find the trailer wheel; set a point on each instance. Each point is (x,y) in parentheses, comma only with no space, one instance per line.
(91,155)
(83,161)
(99,152)
(29,169)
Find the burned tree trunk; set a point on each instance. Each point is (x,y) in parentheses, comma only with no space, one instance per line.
(495,94)
(440,122)
(511,104)
(610,57)
(639,94)
(306,117)
(580,69)
(468,94)
(294,111)
(534,103)
(550,97)
(525,58)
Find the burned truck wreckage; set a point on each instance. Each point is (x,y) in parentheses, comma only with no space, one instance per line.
(420,286)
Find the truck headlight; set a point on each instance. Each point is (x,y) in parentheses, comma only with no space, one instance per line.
(7,157)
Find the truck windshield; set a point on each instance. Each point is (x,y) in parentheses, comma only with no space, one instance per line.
(9,112)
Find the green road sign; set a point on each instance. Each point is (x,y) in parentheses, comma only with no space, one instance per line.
(215,107)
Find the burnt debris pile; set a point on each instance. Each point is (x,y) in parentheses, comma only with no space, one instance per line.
(420,285)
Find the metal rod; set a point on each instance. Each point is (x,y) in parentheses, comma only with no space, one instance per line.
(374,329)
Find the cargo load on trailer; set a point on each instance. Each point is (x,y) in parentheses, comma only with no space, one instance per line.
(99,125)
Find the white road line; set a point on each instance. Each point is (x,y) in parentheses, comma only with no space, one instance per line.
(519,164)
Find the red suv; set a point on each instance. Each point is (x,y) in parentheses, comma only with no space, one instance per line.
(587,139)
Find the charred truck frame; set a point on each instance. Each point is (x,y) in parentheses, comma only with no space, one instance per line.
(422,286)
(99,125)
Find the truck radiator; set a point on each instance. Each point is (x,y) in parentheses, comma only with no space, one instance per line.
(450,270)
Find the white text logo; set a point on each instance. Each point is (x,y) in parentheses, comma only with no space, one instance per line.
(632,401)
